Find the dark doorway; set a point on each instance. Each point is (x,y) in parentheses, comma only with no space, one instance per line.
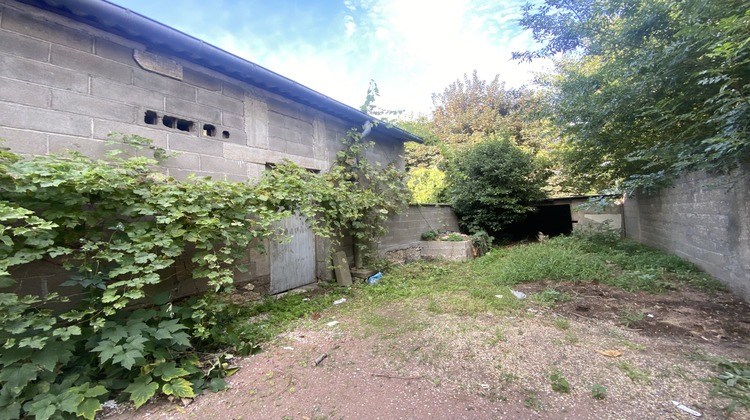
(551,220)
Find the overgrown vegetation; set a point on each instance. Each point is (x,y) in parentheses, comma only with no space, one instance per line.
(645,90)
(117,226)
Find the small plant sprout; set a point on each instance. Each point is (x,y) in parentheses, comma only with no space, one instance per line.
(599,392)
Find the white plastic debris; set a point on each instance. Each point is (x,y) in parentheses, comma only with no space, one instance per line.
(499,296)
(306,299)
(340,301)
(332,323)
(520,295)
(686,409)
(109,405)
(288,348)
(650,315)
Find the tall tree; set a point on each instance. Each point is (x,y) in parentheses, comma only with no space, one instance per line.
(647,89)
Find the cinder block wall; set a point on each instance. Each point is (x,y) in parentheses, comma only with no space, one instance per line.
(405,229)
(67,86)
(703,218)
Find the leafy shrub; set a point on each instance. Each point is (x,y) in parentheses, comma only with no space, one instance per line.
(115,225)
(492,185)
(426,185)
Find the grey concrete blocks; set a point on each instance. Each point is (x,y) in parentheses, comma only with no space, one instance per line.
(179,107)
(24,93)
(128,94)
(199,145)
(164,85)
(90,64)
(222,165)
(233,120)
(113,51)
(219,101)
(103,129)
(26,24)
(88,105)
(24,141)
(24,46)
(201,79)
(43,74)
(45,120)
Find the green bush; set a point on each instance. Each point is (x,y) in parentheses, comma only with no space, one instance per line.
(116,226)
(493,184)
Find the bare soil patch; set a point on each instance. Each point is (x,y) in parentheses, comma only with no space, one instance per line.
(413,361)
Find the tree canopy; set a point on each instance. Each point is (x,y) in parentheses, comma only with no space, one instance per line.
(646,89)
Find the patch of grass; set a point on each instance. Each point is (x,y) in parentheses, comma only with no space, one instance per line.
(599,392)
(434,307)
(559,384)
(628,316)
(732,380)
(533,402)
(562,324)
(634,374)
(550,297)
(556,259)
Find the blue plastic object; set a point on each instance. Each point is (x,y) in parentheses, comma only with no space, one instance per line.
(374,279)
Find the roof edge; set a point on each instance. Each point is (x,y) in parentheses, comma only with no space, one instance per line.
(159,37)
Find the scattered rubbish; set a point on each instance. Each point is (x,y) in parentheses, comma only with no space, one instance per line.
(340,301)
(109,405)
(288,348)
(306,299)
(484,386)
(650,315)
(320,358)
(532,310)
(332,323)
(374,279)
(610,353)
(499,296)
(520,295)
(686,409)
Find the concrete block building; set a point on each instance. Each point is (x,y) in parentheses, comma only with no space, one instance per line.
(74,71)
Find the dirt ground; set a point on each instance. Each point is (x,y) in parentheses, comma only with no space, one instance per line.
(416,362)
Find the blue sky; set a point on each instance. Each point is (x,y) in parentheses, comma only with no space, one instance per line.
(411,48)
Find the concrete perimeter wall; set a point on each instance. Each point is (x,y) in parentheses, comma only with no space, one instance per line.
(402,242)
(66,86)
(703,218)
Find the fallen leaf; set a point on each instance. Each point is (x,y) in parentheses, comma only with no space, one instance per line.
(610,353)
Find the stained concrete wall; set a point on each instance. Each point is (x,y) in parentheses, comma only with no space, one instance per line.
(703,218)
(66,86)
(405,229)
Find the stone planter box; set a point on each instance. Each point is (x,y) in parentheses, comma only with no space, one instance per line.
(454,251)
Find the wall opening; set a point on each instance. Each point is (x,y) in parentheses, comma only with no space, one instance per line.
(551,220)
(170,122)
(225,134)
(184,125)
(151,118)
(209,130)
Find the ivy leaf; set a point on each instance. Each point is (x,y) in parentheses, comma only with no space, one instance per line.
(179,387)
(6,282)
(70,401)
(88,408)
(50,355)
(107,350)
(16,377)
(217,384)
(42,409)
(141,390)
(127,359)
(168,371)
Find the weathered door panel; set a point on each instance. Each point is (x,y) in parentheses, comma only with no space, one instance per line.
(293,262)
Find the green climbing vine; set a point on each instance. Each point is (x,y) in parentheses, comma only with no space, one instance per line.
(117,227)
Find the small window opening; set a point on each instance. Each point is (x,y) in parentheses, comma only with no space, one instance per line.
(170,122)
(225,134)
(150,118)
(209,130)
(184,125)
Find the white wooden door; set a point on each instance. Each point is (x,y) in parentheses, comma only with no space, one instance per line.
(293,262)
